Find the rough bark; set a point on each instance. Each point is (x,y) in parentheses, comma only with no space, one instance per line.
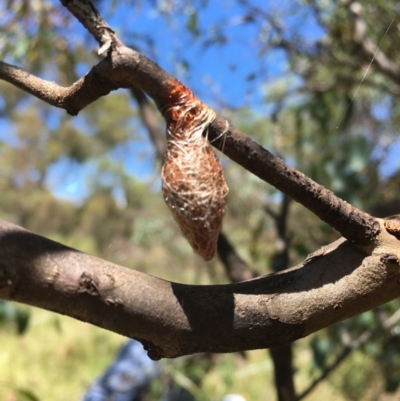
(172,319)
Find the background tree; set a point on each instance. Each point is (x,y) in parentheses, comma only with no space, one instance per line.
(316,121)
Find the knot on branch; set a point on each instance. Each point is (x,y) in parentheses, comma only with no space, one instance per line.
(393,226)
(88,285)
(193,183)
(390,258)
(153,352)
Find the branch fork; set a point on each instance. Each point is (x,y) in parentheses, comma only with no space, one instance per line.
(350,276)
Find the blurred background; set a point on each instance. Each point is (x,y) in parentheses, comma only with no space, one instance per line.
(317,82)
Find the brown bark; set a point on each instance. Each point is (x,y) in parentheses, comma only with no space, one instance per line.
(173,319)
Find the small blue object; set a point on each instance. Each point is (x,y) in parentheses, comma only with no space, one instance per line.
(131,372)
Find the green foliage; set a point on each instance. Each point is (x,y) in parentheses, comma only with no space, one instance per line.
(355,376)
(17,316)
(27,395)
(389,363)
(55,350)
(322,348)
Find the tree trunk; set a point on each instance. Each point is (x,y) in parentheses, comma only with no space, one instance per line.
(283,372)
(282,356)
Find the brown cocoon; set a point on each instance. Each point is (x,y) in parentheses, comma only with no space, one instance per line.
(193,184)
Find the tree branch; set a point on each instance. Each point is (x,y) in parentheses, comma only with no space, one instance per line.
(73,98)
(355,225)
(88,16)
(126,68)
(173,319)
(282,357)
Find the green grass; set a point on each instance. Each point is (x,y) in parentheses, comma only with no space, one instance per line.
(58,357)
(54,360)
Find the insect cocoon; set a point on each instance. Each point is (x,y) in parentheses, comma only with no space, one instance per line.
(193,183)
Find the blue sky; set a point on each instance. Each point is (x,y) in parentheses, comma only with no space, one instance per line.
(218,72)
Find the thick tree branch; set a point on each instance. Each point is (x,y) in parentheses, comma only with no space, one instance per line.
(126,68)
(174,319)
